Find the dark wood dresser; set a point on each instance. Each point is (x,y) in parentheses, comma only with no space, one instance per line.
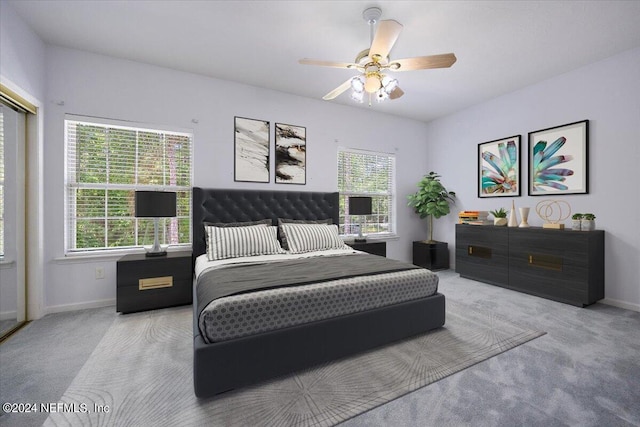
(562,265)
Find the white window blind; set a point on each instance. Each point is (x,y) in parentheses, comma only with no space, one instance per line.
(106,162)
(367,173)
(1,184)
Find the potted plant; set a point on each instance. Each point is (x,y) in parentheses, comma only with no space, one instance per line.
(499,217)
(576,221)
(431,200)
(588,222)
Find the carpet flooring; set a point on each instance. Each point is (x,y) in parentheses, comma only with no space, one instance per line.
(154,348)
(585,371)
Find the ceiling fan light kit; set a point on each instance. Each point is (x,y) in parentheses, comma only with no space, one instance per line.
(373,62)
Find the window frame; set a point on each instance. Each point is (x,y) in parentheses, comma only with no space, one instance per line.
(391,194)
(70,184)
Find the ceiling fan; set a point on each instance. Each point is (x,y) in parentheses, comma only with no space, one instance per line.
(373,63)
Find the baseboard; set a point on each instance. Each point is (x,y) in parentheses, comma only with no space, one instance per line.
(621,304)
(7,315)
(79,306)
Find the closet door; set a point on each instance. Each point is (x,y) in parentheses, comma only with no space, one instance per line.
(12,219)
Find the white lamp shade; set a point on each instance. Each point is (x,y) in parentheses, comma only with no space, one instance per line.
(372,84)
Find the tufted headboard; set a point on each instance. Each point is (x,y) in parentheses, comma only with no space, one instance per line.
(222,205)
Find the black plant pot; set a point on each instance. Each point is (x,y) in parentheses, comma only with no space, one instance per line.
(431,255)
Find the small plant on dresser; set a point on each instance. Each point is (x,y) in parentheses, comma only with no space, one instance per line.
(576,221)
(499,217)
(588,223)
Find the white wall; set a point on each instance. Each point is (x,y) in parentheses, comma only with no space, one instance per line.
(21,54)
(606,93)
(101,86)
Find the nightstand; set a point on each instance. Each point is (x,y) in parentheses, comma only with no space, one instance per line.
(375,248)
(148,283)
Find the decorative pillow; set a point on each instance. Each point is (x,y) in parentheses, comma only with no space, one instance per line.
(283,238)
(239,224)
(231,242)
(312,237)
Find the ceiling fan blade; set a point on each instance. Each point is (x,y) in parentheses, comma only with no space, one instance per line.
(337,91)
(444,60)
(306,61)
(386,36)
(396,93)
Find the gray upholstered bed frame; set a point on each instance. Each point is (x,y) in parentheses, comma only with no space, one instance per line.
(223,366)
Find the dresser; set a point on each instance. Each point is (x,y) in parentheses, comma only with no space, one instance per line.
(562,265)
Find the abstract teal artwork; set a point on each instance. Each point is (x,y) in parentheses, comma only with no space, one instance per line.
(558,160)
(499,167)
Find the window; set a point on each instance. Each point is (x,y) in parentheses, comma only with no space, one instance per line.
(106,162)
(366,173)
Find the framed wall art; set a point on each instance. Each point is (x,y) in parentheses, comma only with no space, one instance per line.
(558,160)
(291,154)
(251,150)
(499,167)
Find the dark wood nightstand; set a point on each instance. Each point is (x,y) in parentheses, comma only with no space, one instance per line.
(433,256)
(375,248)
(147,283)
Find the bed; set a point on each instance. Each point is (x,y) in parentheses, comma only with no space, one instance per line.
(221,364)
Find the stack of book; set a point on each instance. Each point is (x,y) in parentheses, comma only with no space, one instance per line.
(474,218)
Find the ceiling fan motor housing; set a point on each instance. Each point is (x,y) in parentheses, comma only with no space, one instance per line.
(372,14)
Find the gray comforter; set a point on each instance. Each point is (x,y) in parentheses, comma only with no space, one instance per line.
(237,279)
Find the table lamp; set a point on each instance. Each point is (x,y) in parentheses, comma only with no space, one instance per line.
(156,205)
(360,206)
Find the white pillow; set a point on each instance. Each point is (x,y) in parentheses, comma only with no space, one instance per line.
(232,242)
(312,237)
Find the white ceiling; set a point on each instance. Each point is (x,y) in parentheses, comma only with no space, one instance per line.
(501,46)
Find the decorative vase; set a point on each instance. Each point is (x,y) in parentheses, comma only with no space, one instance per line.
(587,225)
(576,224)
(524,216)
(513,221)
(500,221)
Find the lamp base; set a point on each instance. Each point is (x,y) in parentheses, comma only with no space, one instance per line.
(360,240)
(156,254)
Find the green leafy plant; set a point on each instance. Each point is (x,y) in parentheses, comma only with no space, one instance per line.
(589,216)
(577,216)
(431,200)
(499,213)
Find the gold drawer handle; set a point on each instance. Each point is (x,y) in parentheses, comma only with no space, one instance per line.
(479,251)
(546,261)
(155,283)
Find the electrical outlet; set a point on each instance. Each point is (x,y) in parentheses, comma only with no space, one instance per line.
(99,272)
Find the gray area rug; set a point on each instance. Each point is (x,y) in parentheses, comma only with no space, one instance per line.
(141,374)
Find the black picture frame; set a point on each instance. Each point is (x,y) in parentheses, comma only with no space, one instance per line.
(559,160)
(499,173)
(252,145)
(290,154)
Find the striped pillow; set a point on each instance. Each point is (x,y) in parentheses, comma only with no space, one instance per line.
(283,238)
(312,237)
(232,242)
